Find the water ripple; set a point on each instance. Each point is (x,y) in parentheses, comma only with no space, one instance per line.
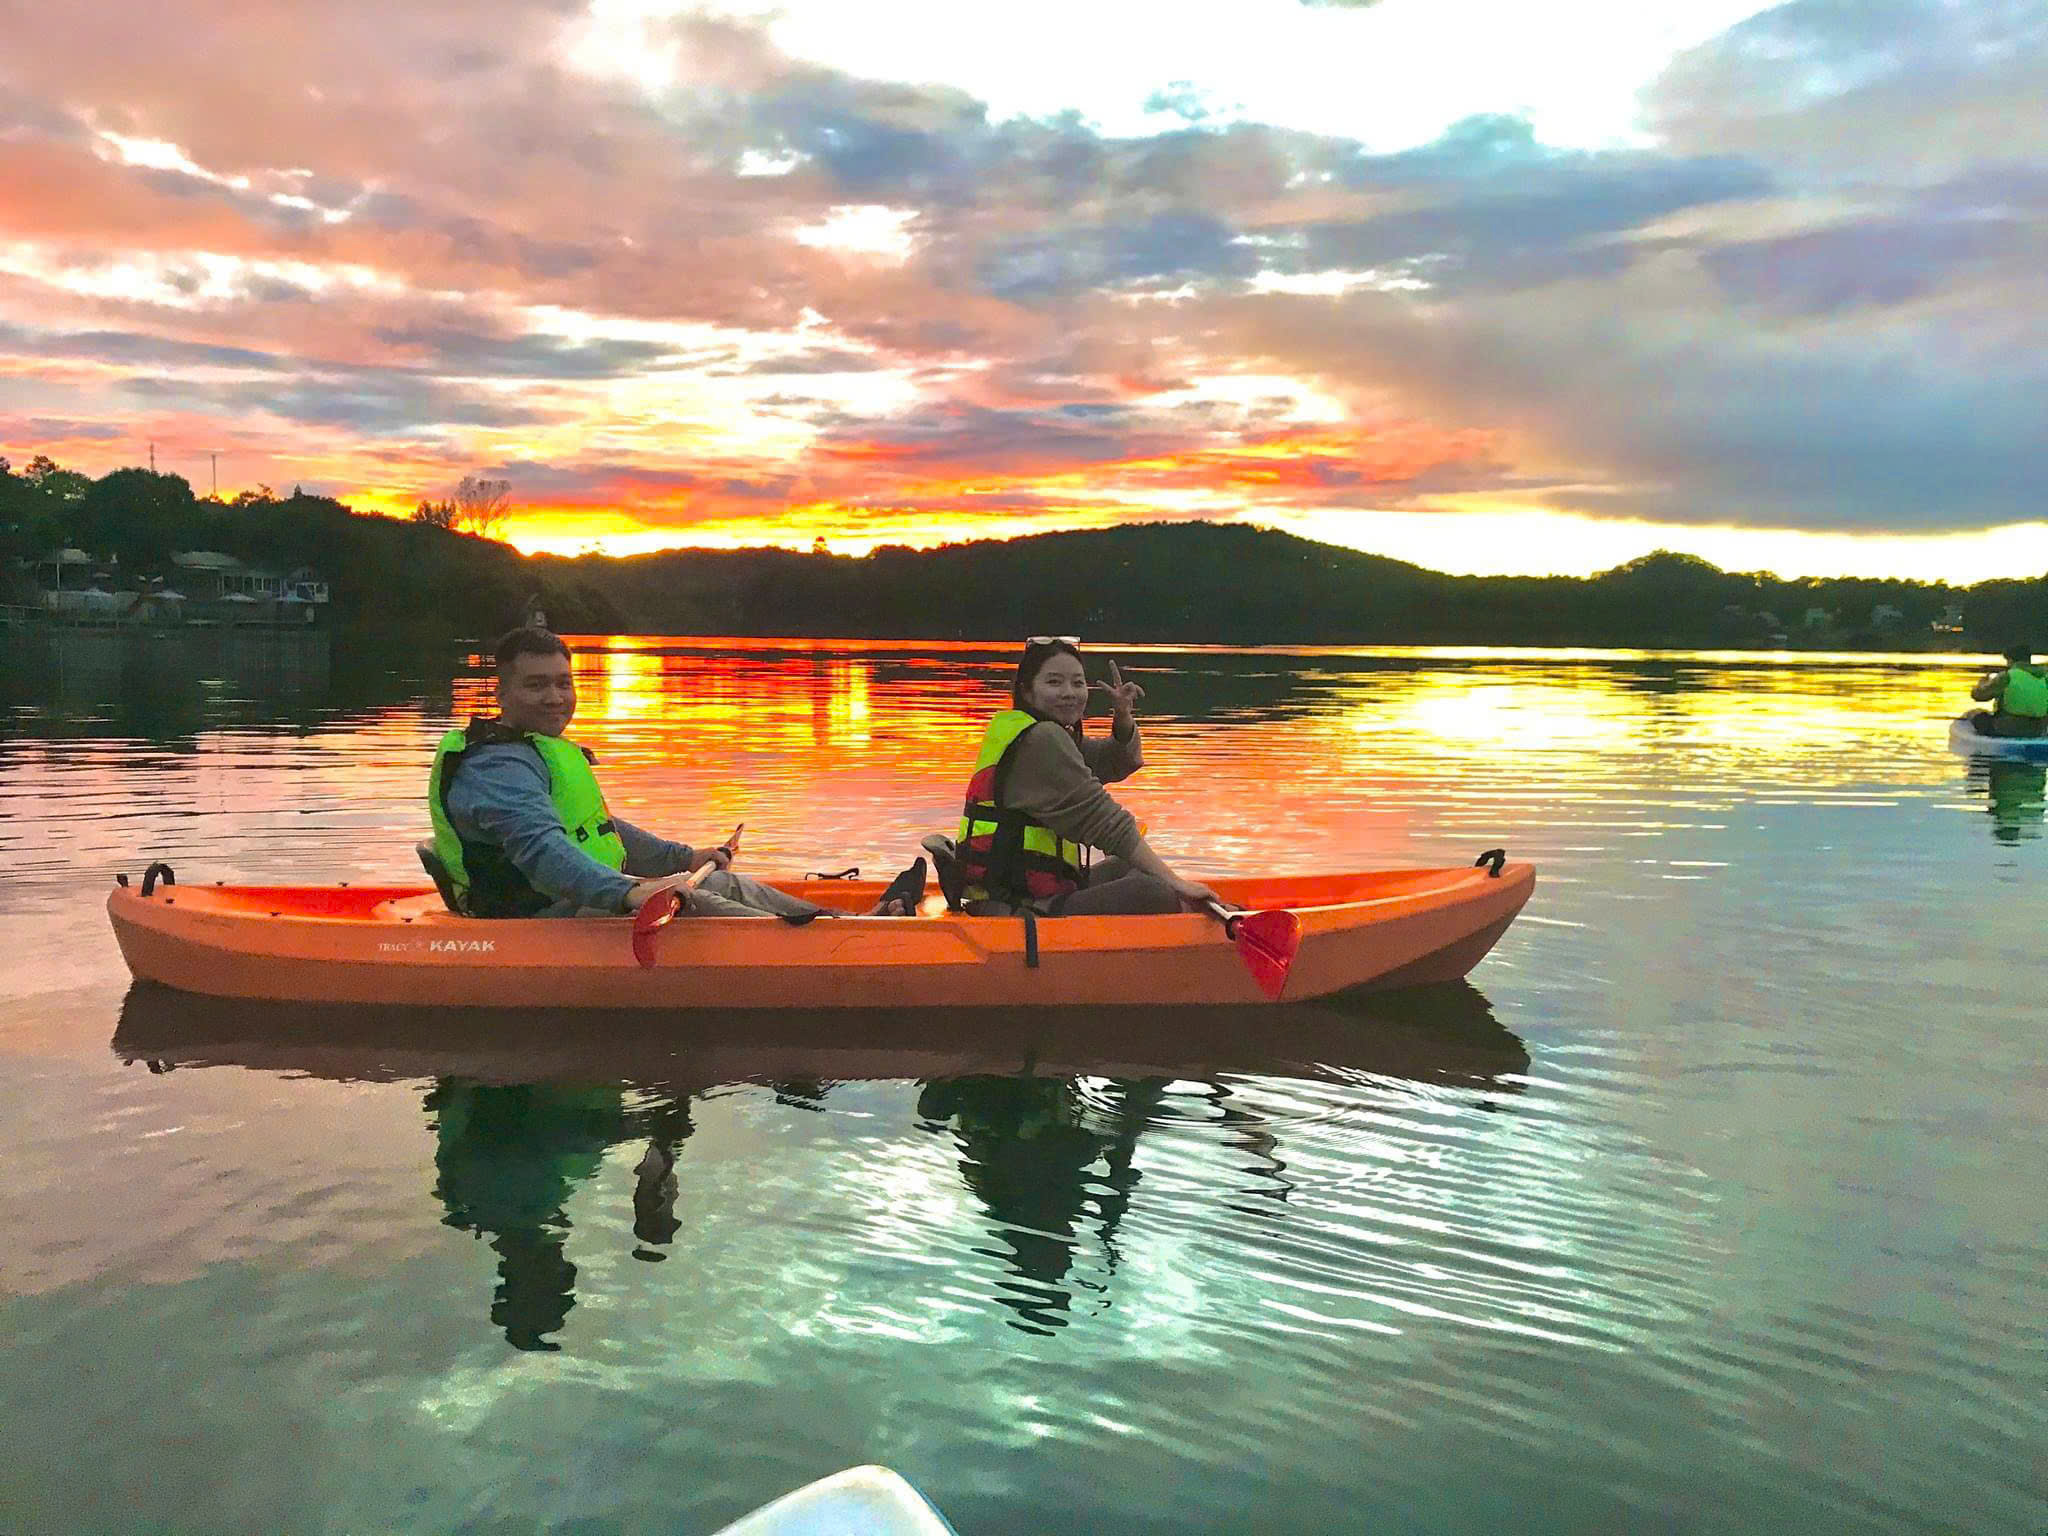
(1715,1206)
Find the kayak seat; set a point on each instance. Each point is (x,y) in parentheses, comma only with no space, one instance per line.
(946,866)
(438,873)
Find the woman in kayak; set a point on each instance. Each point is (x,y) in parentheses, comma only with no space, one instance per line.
(1036,803)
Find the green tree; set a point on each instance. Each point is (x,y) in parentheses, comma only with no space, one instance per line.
(54,482)
(139,516)
(17,501)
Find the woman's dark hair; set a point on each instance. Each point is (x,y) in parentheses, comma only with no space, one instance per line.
(1032,662)
(527,641)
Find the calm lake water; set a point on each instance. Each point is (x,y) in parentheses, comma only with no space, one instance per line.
(1714,1202)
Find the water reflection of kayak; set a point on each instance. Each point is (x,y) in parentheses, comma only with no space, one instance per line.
(1965,738)
(1384,928)
(1434,1034)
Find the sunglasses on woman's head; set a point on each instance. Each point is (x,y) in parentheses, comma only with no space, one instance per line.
(1052,639)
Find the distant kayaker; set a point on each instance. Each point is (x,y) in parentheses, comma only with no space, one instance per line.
(521,827)
(2018,694)
(1037,804)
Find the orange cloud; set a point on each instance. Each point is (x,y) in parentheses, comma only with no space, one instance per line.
(1301,470)
(459,249)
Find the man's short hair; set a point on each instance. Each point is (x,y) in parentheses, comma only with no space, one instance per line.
(527,640)
(2019,655)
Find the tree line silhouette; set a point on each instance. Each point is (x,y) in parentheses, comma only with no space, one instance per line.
(1189,582)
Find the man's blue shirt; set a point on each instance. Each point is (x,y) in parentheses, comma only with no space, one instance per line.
(501,797)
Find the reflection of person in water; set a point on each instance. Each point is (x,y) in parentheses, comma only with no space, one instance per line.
(507,1158)
(2018,796)
(1029,1151)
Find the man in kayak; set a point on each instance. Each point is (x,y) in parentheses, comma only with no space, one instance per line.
(522,830)
(2018,695)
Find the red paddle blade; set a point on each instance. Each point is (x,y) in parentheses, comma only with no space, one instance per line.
(1266,942)
(656,913)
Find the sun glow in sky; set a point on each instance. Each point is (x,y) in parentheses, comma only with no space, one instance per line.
(1476,284)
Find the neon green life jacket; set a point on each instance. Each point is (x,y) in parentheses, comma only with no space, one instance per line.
(2025,693)
(1004,854)
(488,884)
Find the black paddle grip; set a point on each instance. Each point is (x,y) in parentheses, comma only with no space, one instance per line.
(1493,858)
(149,877)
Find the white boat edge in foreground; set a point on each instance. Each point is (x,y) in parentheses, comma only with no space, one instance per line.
(861,1501)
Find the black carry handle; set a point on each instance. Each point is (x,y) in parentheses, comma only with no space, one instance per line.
(149,878)
(851,872)
(1494,858)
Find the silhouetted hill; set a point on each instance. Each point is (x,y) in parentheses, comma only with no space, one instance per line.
(1192,582)
(1231,584)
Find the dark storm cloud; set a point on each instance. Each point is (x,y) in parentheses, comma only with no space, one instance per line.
(132,347)
(376,404)
(1182,242)
(449,349)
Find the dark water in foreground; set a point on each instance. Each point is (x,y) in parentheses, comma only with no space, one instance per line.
(1715,1202)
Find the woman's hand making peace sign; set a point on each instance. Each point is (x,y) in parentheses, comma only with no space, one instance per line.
(1123,698)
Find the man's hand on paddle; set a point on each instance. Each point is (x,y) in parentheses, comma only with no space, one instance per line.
(719,858)
(722,855)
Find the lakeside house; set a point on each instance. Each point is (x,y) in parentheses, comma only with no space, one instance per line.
(209,576)
(202,587)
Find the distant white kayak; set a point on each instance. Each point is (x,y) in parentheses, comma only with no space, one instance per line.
(1965,738)
(861,1501)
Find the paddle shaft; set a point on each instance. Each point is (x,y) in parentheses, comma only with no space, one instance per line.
(729,848)
(664,906)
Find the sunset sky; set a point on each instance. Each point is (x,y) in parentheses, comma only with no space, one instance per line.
(1487,286)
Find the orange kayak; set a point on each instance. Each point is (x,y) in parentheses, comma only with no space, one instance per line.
(400,945)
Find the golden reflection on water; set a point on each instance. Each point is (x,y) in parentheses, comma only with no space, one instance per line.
(848,751)
(1311,758)
(1304,758)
